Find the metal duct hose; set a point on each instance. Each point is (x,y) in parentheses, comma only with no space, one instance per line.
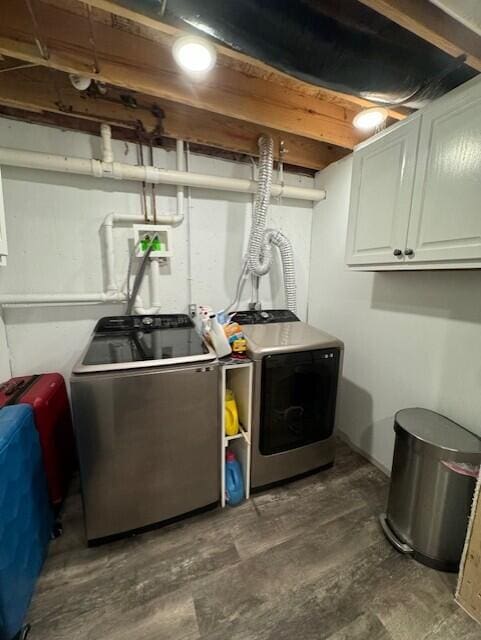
(274,236)
(259,261)
(259,250)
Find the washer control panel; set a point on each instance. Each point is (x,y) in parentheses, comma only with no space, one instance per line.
(143,323)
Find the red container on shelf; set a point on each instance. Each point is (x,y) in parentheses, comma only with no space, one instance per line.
(47,395)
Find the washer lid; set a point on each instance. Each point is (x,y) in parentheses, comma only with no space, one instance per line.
(437,430)
(130,342)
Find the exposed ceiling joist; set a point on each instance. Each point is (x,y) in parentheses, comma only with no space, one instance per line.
(71,123)
(132,62)
(239,60)
(433,25)
(45,90)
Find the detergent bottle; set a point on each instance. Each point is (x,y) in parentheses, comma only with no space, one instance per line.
(234,481)
(231,414)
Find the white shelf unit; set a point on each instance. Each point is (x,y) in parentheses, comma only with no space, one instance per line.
(238,378)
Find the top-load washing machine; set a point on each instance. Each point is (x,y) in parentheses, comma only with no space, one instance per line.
(296,378)
(146,417)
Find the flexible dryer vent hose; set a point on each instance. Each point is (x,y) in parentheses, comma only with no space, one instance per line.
(259,251)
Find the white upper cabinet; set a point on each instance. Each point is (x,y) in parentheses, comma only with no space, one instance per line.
(416,190)
(446,214)
(381,192)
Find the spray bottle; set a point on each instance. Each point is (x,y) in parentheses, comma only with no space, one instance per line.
(216,334)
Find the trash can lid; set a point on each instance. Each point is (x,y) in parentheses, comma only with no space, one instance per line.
(437,430)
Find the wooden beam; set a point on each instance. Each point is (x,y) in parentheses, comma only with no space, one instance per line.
(132,62)
(234,59)
(45,90)
(433,25)
(70,123)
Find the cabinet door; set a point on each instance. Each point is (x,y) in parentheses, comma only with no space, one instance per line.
(446,215)
(381,191)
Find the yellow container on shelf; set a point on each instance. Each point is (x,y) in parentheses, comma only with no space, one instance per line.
(231,414)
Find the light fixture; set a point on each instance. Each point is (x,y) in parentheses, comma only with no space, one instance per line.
(370,119)
(195,55)
(81,83)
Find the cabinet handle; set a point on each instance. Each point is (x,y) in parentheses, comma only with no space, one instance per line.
(408,252)
(397,252)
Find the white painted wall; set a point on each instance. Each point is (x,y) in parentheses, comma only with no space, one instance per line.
(411,338)
(53,227)
(468,12)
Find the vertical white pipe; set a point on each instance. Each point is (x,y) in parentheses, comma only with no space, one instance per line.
(179,146)
(109,253)
(155,285)
(188,234)
(108,223)
(139,308)
(106,135)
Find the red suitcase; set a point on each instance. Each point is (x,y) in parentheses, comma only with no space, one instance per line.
(47,394)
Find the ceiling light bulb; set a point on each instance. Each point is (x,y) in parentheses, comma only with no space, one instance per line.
(194,55)
(370,119)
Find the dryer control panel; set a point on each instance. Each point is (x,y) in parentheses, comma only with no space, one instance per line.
(266,316)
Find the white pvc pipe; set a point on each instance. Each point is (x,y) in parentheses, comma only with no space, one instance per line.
(155,286)
(108,224)
(188,234)
(112,294)
(180,165)
(177,219)
(153,175)
(106,135)
(140,309)
(109,253)
(52,298)
(109,169)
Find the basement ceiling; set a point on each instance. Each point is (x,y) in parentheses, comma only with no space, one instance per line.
(299,70)
(343,46)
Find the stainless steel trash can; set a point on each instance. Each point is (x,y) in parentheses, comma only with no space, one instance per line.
(429,503)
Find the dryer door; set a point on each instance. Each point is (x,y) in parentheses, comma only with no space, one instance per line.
(298,399)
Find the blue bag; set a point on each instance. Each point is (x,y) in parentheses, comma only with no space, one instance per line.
(26,518)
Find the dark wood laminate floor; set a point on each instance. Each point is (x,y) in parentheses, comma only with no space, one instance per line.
(305,561)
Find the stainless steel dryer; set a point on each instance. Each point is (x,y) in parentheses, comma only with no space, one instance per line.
(296,375)
(145,406)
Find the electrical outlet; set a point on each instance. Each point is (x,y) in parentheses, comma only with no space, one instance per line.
(156,236)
